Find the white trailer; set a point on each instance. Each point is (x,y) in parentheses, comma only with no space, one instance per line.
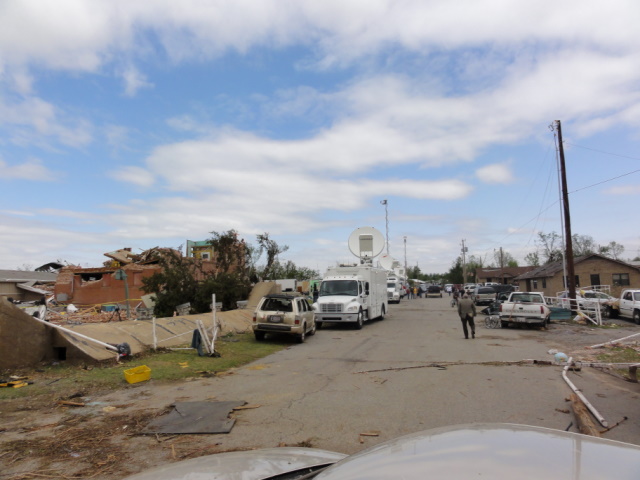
(352,294)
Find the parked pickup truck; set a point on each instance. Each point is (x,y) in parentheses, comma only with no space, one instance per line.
(627,306)
(524,307)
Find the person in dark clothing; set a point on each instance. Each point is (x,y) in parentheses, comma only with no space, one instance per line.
(467,310)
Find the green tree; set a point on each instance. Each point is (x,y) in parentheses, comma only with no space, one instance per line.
(175,284)
(229,252)
(454,275)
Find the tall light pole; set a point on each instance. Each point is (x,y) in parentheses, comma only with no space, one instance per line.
(464,263)
(406,273)
(386,219)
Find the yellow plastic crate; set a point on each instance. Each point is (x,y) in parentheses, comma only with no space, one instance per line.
(137,374)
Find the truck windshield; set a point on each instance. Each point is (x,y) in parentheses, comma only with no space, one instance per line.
(339,287)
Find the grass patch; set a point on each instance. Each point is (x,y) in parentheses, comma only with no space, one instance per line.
(63,379)
(620,355)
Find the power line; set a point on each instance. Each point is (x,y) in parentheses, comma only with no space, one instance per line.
(605,181)
(602,151)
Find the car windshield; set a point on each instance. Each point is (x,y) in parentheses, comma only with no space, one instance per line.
(391,285)
(339,287)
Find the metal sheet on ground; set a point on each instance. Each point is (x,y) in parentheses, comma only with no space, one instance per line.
(196,417)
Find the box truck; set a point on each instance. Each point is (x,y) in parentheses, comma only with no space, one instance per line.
(352,294)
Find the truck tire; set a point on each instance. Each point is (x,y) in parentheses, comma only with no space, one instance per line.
(503,324)
(360,320)
(610,312)
(383,312)
(636,317)
(318,325)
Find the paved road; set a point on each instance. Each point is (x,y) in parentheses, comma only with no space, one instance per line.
(344,382)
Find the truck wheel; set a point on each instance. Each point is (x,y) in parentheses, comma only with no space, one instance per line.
(636,317)
(360,320)
(504,324)
(318,325)
(259,335)
(383,313)
(610,312)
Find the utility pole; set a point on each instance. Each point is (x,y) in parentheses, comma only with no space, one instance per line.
(386,219)
(571,276)
(501,266)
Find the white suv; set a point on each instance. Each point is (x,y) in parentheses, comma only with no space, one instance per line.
(284,313)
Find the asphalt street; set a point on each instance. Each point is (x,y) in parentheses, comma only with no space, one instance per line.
(410,372)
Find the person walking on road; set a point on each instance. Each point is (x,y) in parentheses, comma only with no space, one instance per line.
(467,310)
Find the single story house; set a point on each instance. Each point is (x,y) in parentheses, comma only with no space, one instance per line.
(590,270)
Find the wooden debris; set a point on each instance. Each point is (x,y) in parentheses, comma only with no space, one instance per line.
(246,407)
(583,418)
(374,433)
(70,404)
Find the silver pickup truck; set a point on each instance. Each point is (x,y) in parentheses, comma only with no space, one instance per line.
(524,307)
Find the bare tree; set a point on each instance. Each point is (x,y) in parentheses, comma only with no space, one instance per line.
(532,259)
(272,250)
(551,246)
(583,245)
(613,250)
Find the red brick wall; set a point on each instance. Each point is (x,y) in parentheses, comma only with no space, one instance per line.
(105,290)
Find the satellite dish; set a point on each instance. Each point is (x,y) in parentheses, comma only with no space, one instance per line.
(387,262)
(366,243)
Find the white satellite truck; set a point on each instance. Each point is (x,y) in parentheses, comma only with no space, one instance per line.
(395,278)
(354,293)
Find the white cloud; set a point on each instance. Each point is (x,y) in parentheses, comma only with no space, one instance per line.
(134,81)
(33,170)
(31,118)
(623,190)
(135,175)
(496,173)
(341,31)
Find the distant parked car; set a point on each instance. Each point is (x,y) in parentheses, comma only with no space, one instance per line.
(434,291)
(283,313)
(483,295)
(468,288)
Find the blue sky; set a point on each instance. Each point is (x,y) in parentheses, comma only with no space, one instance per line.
(143,124)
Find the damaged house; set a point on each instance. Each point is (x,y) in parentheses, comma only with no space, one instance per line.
(26,286)
(118,281)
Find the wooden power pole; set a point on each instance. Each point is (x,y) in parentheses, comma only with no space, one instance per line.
(571,280)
